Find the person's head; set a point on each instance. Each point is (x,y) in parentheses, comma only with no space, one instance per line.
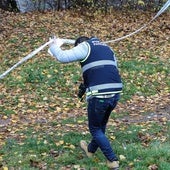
(80,40)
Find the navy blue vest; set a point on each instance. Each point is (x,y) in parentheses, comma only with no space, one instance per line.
(100,73)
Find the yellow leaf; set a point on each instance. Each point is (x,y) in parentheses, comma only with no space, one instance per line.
(131,164)
(19,77)
(5,168)
(72,147)
(45,141)
(61,142)
(44,154)
(45,99)
(113,137)
(122,157)
(140,2)
(80,121)
(5,117)
(14,121)
(1,158)
(49,75)
(58,109)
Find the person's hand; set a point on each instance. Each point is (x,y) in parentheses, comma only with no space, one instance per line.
(56,41)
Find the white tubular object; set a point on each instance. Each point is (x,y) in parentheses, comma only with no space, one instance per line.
(25,58)
(166,5)
(33,53)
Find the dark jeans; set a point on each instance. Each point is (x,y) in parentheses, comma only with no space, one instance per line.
(99,110)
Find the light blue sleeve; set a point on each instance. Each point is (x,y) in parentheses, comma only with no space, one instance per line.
(77,53)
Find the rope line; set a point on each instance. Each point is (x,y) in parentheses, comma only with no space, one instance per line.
(166,5)
(71,41)
(25,59)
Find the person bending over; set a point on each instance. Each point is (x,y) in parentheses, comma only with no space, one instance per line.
(102,85)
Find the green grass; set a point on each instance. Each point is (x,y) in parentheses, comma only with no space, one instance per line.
(144,78)
(32,148)
(41,147)
(55,144)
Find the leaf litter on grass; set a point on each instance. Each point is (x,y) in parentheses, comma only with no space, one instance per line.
(22,106)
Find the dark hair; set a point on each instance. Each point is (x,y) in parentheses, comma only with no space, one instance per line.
(80,40)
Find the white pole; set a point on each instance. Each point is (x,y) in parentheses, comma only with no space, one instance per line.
(25,59)
(33,53)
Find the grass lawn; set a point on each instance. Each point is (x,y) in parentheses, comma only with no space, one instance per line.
(41,118)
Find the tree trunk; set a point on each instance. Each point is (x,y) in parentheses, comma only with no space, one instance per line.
(8,5)
(25,5)
(41,5)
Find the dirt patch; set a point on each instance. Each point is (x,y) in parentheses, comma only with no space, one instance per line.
(162,116)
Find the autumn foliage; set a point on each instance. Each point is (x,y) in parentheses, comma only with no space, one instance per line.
(39,98)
